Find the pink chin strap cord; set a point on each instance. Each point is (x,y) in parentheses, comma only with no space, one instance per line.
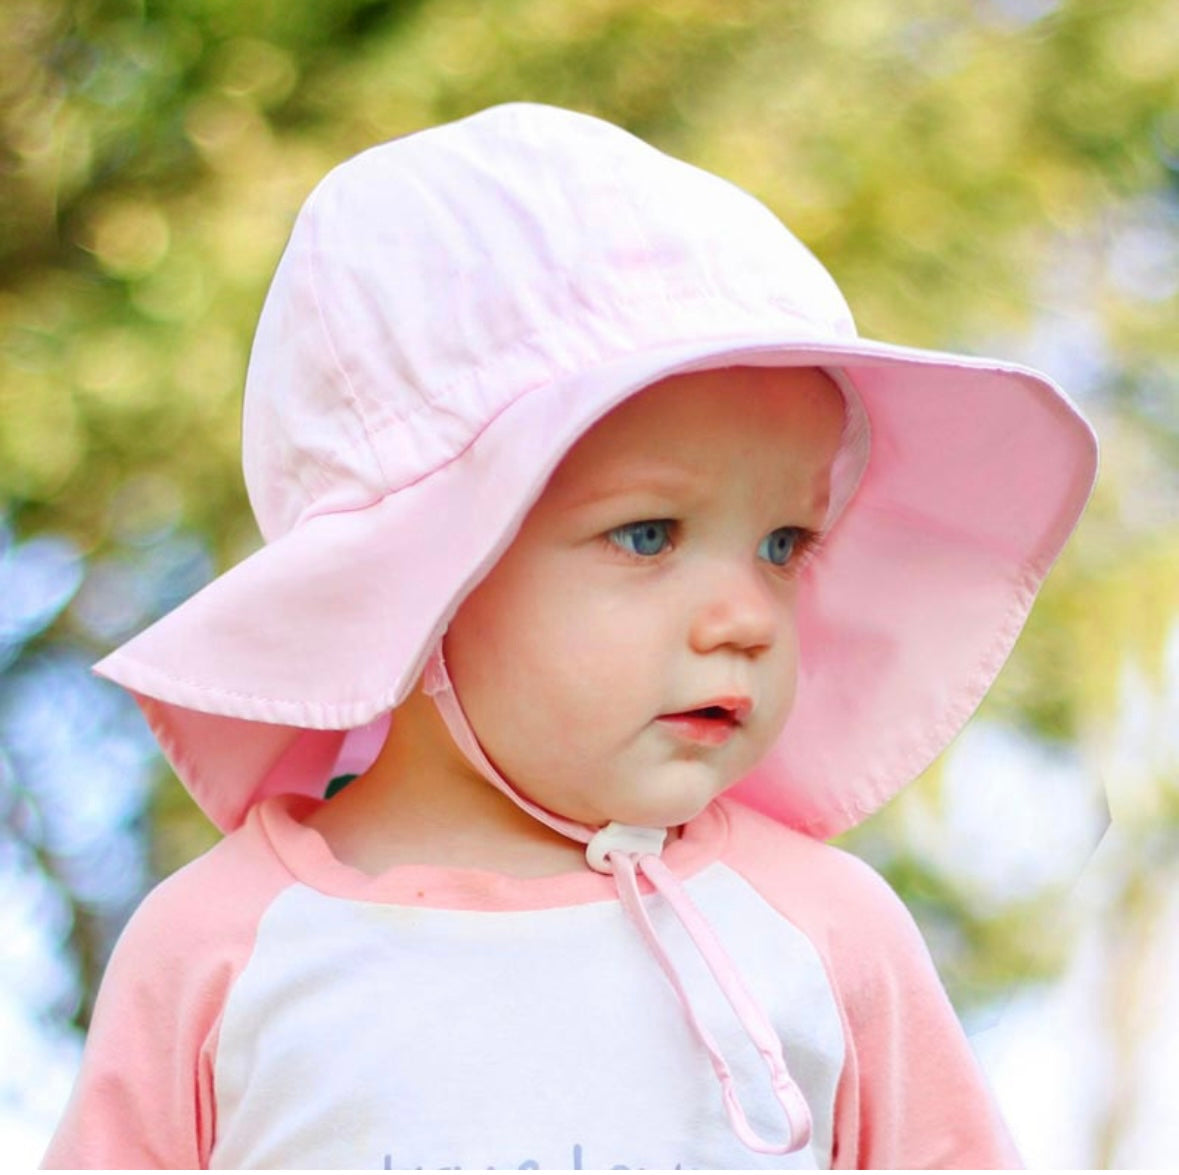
(624,851)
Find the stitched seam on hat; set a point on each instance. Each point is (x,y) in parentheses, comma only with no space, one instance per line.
(353,397)
(205,688)
(720,342)
(436,396)
(311,513)
(955,714)
(1026,584)
(882,782)
(945,726)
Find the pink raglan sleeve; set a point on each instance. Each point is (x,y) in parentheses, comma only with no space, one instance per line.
(911,1094)
(143,1097)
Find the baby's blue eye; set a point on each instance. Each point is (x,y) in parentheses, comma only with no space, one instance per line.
(643,538)
(779,545)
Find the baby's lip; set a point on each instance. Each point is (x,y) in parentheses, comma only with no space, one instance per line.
(734,708)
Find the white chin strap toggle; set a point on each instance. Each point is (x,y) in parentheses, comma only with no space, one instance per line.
(623,838)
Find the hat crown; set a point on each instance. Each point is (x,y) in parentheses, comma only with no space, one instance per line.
(432,280)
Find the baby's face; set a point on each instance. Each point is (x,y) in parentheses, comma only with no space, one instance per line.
(634,651)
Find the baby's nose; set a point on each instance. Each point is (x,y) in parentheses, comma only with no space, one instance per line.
(738,609)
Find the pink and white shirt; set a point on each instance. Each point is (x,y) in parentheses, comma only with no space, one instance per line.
(270,1007)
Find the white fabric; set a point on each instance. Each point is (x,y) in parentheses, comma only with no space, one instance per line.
(563,1005)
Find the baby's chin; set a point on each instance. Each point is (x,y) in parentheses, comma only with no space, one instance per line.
(663,795)
(669,811)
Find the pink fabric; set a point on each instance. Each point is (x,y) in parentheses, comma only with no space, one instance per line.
(145,1097)
(454,309)
(910,1095)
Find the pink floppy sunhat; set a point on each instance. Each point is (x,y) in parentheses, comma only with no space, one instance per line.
(453,310)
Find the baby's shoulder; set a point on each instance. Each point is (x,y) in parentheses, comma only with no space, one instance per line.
(795,856)
(210,907)
(835,897)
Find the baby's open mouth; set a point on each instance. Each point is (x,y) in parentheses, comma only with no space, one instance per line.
(712,724)
(726,709)
(705,713)
(714,712)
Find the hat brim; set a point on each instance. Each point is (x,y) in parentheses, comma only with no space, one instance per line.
(977,474)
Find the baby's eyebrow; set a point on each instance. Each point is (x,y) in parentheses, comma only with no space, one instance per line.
(662,481)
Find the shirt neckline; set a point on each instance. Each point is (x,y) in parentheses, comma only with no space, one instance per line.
(305,854)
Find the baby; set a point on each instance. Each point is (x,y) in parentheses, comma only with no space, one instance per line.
(569,458)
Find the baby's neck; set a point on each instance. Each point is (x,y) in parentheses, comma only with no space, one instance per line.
(375,825)
(419,804)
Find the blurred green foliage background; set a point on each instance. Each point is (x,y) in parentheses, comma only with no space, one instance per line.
(996,176)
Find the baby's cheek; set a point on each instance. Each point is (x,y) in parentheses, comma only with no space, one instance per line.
(592,664)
